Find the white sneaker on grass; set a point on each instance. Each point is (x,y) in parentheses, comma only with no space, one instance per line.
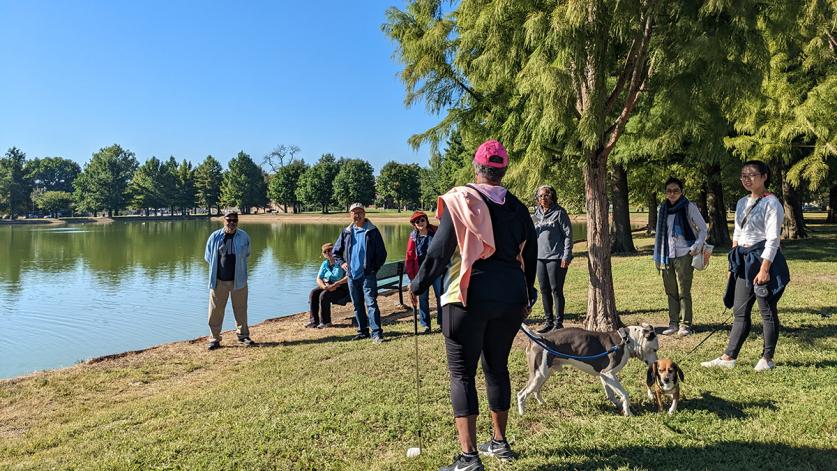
(764,365)
(684,331)
(671,330)
(718,363)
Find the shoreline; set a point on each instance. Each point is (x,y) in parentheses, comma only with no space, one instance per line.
(290,326)
(262,218)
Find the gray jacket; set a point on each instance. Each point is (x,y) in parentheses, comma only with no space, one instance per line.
(555,233)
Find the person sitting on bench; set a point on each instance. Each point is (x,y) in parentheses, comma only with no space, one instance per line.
(331,289)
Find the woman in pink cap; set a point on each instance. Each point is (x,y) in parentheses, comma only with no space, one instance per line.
(417,246)
(487,243)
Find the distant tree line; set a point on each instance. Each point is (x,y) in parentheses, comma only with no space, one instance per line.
(113,181)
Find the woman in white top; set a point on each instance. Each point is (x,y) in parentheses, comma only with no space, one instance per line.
(758,270)
(681,232)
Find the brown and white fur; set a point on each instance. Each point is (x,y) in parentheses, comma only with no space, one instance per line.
(639,342)
(665,376)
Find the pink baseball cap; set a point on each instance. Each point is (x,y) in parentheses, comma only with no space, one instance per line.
(492,154)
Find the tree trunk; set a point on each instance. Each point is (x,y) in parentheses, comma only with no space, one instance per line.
(716,209)
(794,225)
(622,241)
(832,203)
(652,203)
(601,303)
(702,203)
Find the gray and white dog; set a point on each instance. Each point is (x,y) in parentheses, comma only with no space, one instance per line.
(634,341)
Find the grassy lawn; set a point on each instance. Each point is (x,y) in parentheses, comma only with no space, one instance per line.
(317,401)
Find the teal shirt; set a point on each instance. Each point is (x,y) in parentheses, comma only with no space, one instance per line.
(331,274)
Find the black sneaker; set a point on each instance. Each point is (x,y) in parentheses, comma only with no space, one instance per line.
(465,463)
(498,449)
(426,331)
(213,345)
(360,337)
(246,341)
(546,328)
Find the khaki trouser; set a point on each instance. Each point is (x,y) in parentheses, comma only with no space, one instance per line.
(677,280)
(218,303)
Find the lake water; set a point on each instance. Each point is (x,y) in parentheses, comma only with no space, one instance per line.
(69,293)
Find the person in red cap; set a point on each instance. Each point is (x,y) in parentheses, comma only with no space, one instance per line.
(487,246)
(417,246)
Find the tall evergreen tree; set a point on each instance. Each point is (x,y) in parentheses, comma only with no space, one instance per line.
(146,192)
(14,184)
(106,180)
(208,178)
(185,187)
(243,184)
(559,81)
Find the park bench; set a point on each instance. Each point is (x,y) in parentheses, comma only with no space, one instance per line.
(391,276)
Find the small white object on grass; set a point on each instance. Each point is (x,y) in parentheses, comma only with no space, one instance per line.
(413,452)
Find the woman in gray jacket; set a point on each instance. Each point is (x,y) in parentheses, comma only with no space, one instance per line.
(555,251)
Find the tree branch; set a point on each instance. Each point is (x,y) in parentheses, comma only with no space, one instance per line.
(642,70)
(630,61)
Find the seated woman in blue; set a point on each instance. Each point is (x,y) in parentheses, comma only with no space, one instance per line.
(331,289)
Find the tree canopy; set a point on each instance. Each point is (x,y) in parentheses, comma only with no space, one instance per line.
(354,183)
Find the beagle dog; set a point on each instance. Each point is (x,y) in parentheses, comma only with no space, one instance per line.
(634,341)
(664,376)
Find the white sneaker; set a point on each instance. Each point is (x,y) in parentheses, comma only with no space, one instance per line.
(764,365)
(684,331)
(718,363)
(671,329)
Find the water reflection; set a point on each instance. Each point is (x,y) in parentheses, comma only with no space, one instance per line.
(74,292)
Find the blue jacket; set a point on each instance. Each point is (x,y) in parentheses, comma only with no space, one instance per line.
(241,243)
(744,262)
(376,252)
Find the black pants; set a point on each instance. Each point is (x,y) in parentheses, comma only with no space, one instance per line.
(742,323)
(320,302)
(485,331)
(551,279)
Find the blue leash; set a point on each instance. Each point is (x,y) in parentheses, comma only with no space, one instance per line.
(539,342)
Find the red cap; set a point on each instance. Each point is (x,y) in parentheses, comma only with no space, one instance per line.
(492,154)
(417,215)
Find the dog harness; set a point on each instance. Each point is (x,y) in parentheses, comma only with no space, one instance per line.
(552,351)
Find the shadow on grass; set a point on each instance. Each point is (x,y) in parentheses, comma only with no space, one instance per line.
(720,455)
(808,364)
(724,408)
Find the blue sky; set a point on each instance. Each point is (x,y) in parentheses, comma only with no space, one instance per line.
(192,78)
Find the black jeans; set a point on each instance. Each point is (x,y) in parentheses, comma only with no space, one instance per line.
(485,331)
(551,279)
(742,322)
(320,303)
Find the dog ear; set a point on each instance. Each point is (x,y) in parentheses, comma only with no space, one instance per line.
(679,372)
(648,331)
(652,372)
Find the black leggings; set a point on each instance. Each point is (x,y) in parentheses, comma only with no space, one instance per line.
(551,279)
(320,300)
(742,323)
(485,331)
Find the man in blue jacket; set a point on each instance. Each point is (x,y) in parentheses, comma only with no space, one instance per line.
(360,251)
(226,253)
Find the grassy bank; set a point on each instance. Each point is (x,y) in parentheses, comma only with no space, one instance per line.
(314,400)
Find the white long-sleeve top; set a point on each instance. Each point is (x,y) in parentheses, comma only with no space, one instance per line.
(763,224)
(677,245)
